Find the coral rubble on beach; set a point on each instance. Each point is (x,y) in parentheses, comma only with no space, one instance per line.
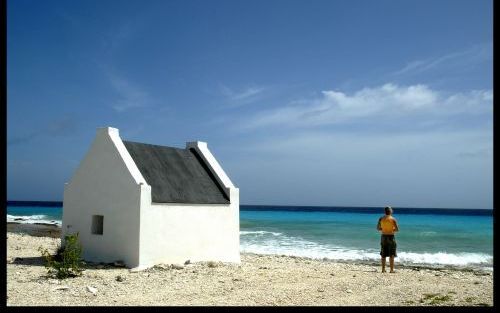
(258,280)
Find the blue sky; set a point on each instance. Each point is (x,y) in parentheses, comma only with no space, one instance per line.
(341,103)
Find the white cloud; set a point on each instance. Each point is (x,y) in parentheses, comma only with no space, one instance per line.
(474,54)
(420,169)
(390,103)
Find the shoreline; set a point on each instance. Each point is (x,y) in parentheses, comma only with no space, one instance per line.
(54,231)
(263,280)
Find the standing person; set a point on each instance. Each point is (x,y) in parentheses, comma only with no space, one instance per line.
(388,225)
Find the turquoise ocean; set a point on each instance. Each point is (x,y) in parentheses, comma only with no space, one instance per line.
(430,237)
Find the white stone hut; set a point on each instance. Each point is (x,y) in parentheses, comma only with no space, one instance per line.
(146,204)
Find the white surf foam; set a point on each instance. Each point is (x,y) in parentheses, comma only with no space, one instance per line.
(32,219)
(461,259)
(259,232)
(294,246)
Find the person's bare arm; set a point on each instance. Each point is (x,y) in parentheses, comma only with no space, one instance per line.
(396,227)
(378,225)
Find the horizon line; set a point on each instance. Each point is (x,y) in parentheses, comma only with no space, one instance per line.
(13,202)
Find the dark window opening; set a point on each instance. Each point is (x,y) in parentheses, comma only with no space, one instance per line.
(97,224)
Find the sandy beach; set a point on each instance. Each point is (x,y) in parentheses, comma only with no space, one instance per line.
(267,280)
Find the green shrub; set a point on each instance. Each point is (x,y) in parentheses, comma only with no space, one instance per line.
(67,262)
(440,299)
(435,298)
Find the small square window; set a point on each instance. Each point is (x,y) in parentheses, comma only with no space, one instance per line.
(97,224)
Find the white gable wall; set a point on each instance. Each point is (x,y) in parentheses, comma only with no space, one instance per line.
(104,185)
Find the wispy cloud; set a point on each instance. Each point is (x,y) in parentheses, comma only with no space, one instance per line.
(472,55)
(130,95)
(114,41)
(242,97)
(388,103)
(61,127)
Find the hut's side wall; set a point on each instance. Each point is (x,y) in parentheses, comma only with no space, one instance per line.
(175,233)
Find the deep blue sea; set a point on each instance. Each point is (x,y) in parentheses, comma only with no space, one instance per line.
(427,236)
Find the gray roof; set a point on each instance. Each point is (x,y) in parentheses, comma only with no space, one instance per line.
(176,175)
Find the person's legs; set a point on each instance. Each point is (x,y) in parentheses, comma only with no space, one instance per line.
(383,252)
(392,254)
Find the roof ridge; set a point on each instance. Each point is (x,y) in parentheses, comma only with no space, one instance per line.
(152,144)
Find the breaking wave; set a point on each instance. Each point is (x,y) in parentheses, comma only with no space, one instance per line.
(295,246)
(259,232)
(32,219)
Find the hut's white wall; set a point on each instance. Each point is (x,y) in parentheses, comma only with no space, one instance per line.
(174,233)
(106,184)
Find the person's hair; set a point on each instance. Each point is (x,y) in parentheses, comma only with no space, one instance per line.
(388,210)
